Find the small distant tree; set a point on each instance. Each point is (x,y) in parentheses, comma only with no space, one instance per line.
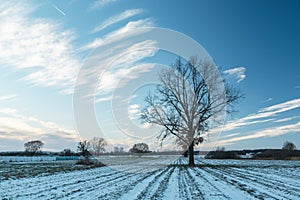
(140,148)
(83,149)
(33,147)
(289,146)
(119,150)
(98,145)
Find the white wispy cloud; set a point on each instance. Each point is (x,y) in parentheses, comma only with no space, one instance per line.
(264,115)
(239,123)
(119,34)
(15,127)
(278,108)
(123,61)
(103,99)
(238,73)
(10,97)
(115,69)
(8,111)
(297,87)
(38,44)
(134,111)
(231,135)
(117,18)
(111,77)
(268,132)
(38,126)
(100,3)
(44,50)
(268,99)
(286,119)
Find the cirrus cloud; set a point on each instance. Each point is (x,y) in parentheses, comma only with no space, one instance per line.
(117,18)
(40,47)
(100,3)
(238,73)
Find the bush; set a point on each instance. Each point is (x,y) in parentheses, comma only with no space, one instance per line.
(278,154)
(222,155)
(89,161)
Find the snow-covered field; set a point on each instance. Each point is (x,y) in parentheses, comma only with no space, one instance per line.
(152,178)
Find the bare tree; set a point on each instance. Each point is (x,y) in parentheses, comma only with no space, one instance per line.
(118,149)
(289,146)
(187,102)
(83,149)
(32,147)
(98,145)
(140,148)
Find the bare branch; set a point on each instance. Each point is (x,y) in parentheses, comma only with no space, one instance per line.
(190,95)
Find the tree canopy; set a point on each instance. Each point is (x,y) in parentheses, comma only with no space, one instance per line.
(34,146)
(289,146)
(83,149)
(140,148)
(190,98)
(97,145)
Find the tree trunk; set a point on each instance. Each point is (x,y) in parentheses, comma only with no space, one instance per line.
(191,155)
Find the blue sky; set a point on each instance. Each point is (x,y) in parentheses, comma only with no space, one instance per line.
(44,44)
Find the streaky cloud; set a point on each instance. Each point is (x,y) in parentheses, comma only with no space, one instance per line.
(118,34)
(268,132)
(238,73)
(264,115)
(100,3)
(117,18)
(38,44)
(10,97)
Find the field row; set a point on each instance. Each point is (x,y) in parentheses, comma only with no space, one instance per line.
(208,180)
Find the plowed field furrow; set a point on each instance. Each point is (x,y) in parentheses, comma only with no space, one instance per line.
(154,179)
(254,189)
(274,181)
(150,189)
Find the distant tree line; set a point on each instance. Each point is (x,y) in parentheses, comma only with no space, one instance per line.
(95,146)
(287,152)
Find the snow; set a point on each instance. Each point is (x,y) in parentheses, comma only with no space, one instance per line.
(152,178)
(26,158)
(247,155)
(29,159)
